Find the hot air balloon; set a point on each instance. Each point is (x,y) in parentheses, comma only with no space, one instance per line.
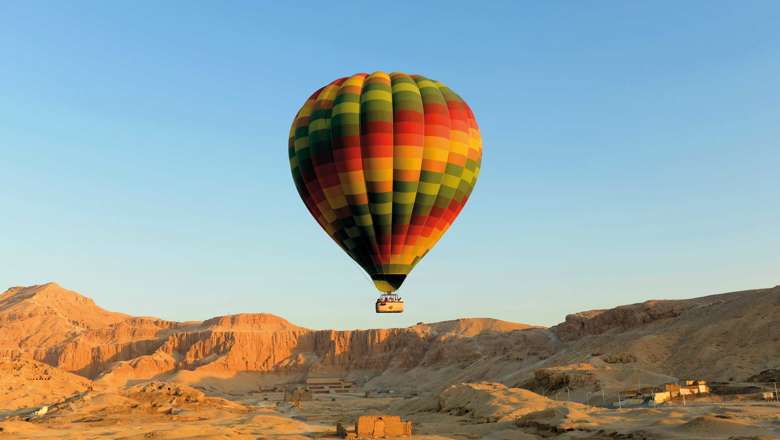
(384,163)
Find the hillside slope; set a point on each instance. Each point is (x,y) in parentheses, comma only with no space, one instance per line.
(722,337)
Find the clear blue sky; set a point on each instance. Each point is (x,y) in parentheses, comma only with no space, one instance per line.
(631,151)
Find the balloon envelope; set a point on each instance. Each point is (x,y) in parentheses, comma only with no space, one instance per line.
(384,163)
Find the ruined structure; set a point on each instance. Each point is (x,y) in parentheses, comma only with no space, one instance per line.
(326,385)
(382,427)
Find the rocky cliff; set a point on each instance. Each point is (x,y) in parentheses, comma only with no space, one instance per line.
(700,337)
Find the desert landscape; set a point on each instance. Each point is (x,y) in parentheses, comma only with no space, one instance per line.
(388,179)
(71,369)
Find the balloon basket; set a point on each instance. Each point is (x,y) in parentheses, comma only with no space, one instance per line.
(389,303)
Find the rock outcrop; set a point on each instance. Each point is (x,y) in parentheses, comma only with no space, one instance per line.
(493,402)
(25,382)
(596,322)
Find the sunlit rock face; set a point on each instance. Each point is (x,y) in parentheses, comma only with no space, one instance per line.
(683,338)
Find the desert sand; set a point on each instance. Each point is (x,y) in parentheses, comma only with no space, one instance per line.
(69,369)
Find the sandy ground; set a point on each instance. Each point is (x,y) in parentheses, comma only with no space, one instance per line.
(161,410)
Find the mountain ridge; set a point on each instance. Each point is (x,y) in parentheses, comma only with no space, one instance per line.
(69,331)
